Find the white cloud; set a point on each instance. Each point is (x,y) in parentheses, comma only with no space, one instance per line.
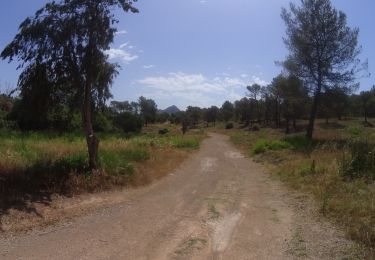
(194,89)
(121,32)
(124,45)
(259,81)
(124,55)
(148,66)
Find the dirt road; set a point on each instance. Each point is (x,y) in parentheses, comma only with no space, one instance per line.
(217,205)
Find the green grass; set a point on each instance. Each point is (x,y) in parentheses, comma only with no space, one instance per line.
(184,142)
(35,162)
(262,146)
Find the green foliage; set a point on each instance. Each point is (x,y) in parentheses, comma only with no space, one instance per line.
(227,111)
(128,122)
(229,125)
(117,162)
(262,146)
(360,162)
(148,109)
(326,60)
(102,123)
(300,142)
(193,114)
(355,131)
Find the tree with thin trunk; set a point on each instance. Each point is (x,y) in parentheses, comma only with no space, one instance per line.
(323,48)
(70,38)
(367,99)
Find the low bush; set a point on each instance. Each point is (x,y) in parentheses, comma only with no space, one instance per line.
(229,125)
(358,161)
(300,142)
(163,131)
(128,122)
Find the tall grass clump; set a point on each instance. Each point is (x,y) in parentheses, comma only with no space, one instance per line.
(118,162)
(184,142)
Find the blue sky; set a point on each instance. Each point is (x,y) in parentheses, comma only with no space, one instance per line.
(195,52)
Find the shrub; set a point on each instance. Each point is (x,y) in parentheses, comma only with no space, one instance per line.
(360,163)
(102,123)
(300,142)
(163,131)
(229,125)
(128,122)
(254,128)
(355,131)
(262,146)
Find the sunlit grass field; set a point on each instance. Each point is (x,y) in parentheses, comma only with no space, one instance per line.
(39,163)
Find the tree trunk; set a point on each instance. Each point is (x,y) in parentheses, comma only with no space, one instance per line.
(294,124)
(287,130)
(314,110)
(91,139)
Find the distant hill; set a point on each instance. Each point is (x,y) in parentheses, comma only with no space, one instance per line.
(170,110)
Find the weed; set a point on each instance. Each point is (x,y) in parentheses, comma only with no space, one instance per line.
(189,245)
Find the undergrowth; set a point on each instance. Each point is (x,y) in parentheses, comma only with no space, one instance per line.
(35,165)
(337,167)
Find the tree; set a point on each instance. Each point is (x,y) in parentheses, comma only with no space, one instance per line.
(148,109)
(335,102)
(367,99)
(276,92)
(194,114)
(121,107)
(323,49)
(227,111)
(254,90)
(69,38)
(245,110)
(210,114)
(292,96)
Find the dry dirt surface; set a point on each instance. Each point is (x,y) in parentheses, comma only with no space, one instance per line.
(217,205)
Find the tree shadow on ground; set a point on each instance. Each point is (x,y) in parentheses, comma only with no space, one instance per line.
(22,189)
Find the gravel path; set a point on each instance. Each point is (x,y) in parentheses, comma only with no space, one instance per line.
(217,205)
